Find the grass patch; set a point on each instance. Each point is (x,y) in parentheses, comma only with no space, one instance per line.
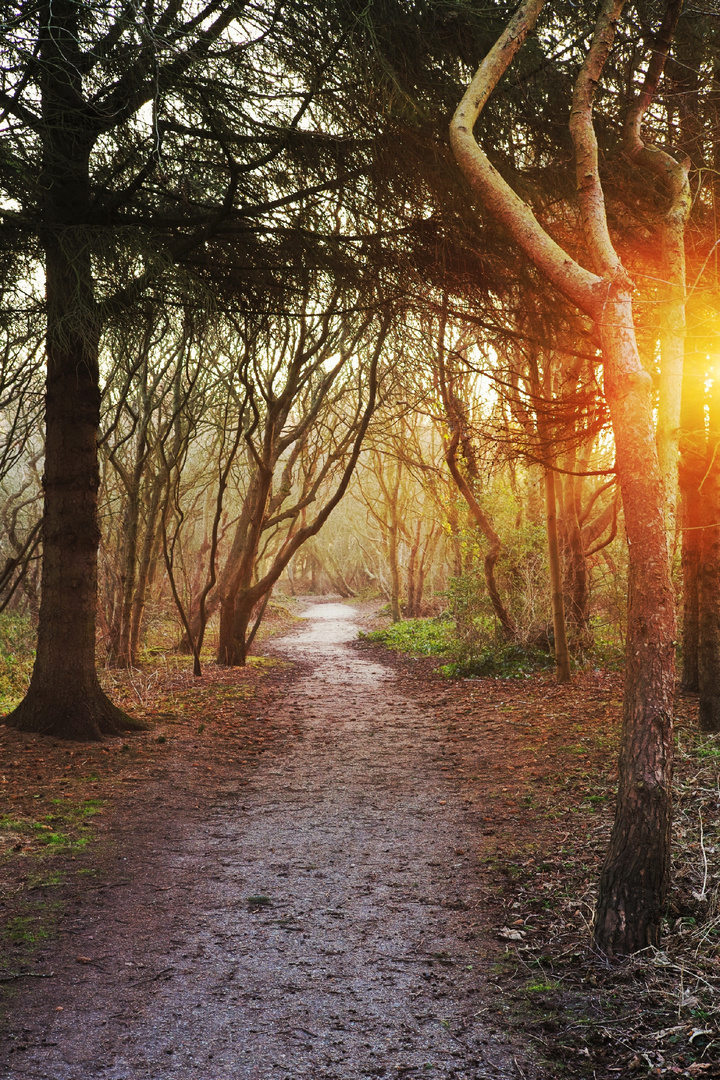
(426,637)
(65,829)
(438,637)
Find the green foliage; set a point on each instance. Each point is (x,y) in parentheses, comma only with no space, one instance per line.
(66,829)
(17,654)
(438,637)
(500,661)
(429,637)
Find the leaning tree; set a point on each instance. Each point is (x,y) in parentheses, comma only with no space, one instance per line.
(635,874)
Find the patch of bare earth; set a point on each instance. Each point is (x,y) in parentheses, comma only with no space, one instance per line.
(292,891)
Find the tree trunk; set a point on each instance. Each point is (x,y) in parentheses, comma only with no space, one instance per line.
(674,176)
(575,574)
(394,571)
(693,450)
(484,525)
(635,875)
(412,573)
(562,654)
(636,872)
(146,569)
(708,580)
(64,697)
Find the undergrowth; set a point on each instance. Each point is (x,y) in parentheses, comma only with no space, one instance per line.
(17,653)
(658,1012)
(438,637)
(426,637)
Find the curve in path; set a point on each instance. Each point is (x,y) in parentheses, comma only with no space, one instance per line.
(327,931)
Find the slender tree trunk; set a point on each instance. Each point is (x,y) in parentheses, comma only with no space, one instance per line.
(412,573)
(576,584)
(120,654)
(394,571)
(562,653)
(693,464)
(708,581)
(482,521)
(147,561)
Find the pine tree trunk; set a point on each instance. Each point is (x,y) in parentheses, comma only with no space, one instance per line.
(64,697)
(636,871)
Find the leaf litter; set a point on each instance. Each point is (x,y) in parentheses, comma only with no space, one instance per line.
(526,772)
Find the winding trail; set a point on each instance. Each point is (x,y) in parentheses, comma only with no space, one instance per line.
(359,955)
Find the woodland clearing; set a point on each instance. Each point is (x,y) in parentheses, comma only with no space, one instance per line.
(336,863)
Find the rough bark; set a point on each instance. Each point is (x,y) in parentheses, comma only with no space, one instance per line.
(635,874)
(64,697)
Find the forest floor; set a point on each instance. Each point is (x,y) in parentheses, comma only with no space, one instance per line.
(337,864)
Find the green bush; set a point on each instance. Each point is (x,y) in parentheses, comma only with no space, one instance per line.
(506,662)
(438,637)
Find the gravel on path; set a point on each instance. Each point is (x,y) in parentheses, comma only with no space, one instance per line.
(317,921)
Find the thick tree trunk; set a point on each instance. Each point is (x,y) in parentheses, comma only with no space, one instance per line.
(636,871)
(635,875)
(64,697)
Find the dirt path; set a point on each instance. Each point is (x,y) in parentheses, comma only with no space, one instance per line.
(318,922)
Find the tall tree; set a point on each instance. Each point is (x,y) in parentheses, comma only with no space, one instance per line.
(636,871)
(131,135)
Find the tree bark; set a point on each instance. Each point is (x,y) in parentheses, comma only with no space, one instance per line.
(708,579)
(636,872)
(562,654)
(693,464)
(64,697)
(674,176)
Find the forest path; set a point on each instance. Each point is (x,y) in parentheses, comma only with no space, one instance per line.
(360,955)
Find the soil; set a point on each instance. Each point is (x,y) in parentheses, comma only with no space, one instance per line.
(335,863)
(317,916)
